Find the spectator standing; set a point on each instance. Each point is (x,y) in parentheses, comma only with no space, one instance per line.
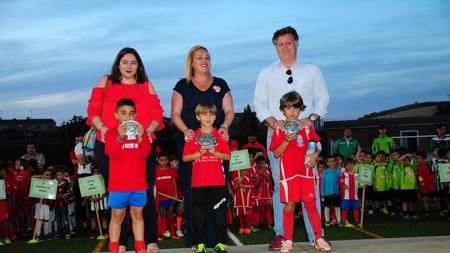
(347,145)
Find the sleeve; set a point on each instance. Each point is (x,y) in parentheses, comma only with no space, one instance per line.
(336,147)
(112,146)
(223,146)
(261,97)
(179,87)
(156,111)
(224,88)
(144,147)
(321,96)
(313,135)
(375,146)
(94,103)
(78,149)
(189,148)
(277,139)
(322,186)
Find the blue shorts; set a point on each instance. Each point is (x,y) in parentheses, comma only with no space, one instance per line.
(166,203)
(120,200)
(350,204)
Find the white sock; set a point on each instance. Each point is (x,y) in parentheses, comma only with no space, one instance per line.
(327,214)
(337,210)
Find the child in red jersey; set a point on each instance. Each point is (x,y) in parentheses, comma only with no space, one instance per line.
(348,184)
(179,208)
(208,179)
(426,179)
(263,192)
(127,175)
(166,188)
(61,204)
(296,179)
(243,197)
(4,205)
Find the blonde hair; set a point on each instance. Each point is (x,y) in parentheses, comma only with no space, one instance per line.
(190,58)
(205,107)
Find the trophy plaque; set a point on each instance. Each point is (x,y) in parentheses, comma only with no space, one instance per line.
(291,127)
(132,129)
(206,140)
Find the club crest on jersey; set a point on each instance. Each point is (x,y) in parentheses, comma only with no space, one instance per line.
(299,140)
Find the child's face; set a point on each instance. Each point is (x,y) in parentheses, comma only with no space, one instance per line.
(331,162)
(206,118)
(368,158)
(96,172)
(59,176)
(320,167)
(163,161)
(17,165)
(407,160)
(362,155)
(262,165)
(174,163)
(349,167)
(125,112)
(47,175)
(291,113)
(379,158)
(395,155)
(419,159)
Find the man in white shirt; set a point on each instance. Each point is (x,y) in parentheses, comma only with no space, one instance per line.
(288,74)
(32,154)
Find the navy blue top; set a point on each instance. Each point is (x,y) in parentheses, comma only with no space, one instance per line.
(192,96)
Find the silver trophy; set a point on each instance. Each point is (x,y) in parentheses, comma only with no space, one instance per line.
(132,129)
(291,127)
(206,140)
(311,149)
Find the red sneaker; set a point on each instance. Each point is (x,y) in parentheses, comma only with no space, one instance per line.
(276,243)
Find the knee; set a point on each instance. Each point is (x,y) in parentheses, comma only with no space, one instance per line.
(221,214)
(136,213)
(199,219)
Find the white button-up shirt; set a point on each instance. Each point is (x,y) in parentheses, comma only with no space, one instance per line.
(272,85)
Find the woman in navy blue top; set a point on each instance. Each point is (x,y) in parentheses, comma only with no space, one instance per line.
(198,86)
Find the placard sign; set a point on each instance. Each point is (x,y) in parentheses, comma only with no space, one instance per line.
(2,189)
(444,172)
(239,160)
(43,188)
(92,185)
(365,174)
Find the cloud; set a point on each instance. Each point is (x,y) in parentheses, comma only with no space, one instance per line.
(46,100)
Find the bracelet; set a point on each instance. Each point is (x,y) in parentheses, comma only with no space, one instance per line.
(224,126)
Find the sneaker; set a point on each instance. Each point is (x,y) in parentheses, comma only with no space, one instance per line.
(179,233)
(254,229)
(287,247)
(370,212)
(322,245)
(406,217)
(122,249)
(92,237)
(276,243)
(67,236)
(327,224)
(175,237)
(384,210)
(160,238)
(241,231)
(1,243)
(152,248)
(341,224)
(166,234)
(357,224)
(248,231)
(393,214)
(441,213)
(221,248)
(200,248)
(348,225)
(7,241)
(56,236)
(414,217)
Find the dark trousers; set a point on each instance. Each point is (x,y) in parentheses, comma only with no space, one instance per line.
(149,212)
(209,199)
(62,219)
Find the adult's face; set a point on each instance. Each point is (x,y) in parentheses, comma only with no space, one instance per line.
(286,48)
(31,149)
(441,131)
(201,62)
(128,66)
(347,133)
(382,132)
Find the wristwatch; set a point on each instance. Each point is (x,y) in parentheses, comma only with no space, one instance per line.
(312,117)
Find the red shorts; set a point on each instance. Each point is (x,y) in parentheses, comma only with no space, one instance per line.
(297,189)
(3,210)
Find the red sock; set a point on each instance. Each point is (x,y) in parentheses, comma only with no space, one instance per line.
(356,215)
(314,218)
(249,219)
(171,223)
(114,247)
(288,224)
(179,222)
(138,245)
(256,217)
(161,225)
(269,217)
(241,221)
(344,215)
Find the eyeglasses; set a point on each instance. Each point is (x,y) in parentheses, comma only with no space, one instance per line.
(290,79)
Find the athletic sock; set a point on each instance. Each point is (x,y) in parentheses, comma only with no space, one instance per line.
(288,224)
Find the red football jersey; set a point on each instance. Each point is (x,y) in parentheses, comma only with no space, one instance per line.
(165,181)
(208,169)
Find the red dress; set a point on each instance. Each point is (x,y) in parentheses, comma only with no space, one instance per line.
(148,106)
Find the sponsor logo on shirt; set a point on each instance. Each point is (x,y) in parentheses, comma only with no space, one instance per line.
(130,146)
(299,140)
(164,177)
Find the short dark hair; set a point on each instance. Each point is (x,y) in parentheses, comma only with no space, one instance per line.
(292,99)
(125,101)
(162,154)
(381,152)
(260,158)
(422,154)
(284,31)
(141,75)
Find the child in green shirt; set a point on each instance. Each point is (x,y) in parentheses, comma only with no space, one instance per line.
(408,187)
(380,183)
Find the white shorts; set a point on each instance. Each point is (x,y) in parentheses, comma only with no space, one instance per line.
(45,212)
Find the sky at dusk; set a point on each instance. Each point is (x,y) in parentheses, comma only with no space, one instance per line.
(374,55)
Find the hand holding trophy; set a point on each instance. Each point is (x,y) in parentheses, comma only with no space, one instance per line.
(132,129)
(207,141)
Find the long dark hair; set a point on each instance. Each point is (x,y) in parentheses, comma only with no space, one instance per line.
(141,75)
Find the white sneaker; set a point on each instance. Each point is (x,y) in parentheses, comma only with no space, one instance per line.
(322,245)
(122,249)
(152,248)
(179,233)
(287,246)
(7,241)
